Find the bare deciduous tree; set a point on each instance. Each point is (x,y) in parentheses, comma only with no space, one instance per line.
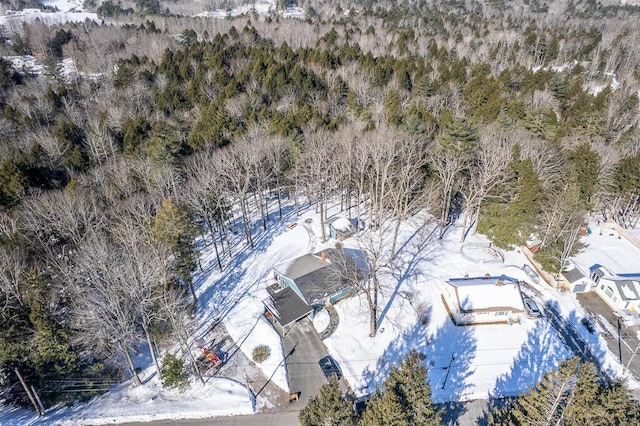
(489,169)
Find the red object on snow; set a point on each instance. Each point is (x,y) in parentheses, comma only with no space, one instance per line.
(212,357)
(209,355)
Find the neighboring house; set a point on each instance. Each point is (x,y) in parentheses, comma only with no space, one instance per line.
(342,228)
(311,281)
(483,300)
(575,280)
(620,291)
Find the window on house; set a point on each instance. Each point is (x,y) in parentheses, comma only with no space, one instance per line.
(608,291)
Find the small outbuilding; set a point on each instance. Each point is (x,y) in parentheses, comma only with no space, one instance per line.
(483,300)
(342,228)
(575,280)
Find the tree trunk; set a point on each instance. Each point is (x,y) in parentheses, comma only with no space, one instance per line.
(295,201)
(396,231)
(445,213)
(373,309)
(465,218)
(132,368)
(245,221)
(278,194)
(215,246)
(193,291)
(152,348)
(194,362)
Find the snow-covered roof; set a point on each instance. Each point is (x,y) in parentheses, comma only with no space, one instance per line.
(487,293)
(342,224)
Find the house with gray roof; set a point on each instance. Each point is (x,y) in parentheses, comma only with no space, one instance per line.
(307,283)
(620,291)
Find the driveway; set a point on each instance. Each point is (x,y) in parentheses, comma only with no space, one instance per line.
(605,317)
(303,349)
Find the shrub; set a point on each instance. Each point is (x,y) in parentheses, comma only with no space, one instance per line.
(173,373)
(261,353)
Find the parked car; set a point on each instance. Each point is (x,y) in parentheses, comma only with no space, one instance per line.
(531,306)
(330,367)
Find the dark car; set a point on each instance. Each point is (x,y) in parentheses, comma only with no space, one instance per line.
(531,306)
(330,367)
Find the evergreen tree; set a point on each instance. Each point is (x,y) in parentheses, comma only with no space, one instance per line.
(511,224)
(405,397)
(571,395)
(329,407)
(172,226)
(384,410)
(585,170)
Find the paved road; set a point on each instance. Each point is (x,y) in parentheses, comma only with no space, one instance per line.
(607,320)
(282,418)
(460,414)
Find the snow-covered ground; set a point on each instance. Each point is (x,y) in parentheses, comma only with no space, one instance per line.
(484,360)
(606,247)
(127,403)
(464,362)
(67,11)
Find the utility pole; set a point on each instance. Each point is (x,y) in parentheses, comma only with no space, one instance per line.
(29,394)
(453,357)
(619,343)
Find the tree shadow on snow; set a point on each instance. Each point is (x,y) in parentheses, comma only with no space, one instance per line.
(541,352)
(415,251)
(229,287)
(446,375)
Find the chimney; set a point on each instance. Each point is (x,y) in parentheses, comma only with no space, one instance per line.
(323,257)
(487,276)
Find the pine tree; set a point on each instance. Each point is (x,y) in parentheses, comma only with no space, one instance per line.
(571,395)
(329,407)
(585,407)
(384,410)
(172,226)
(405,397)
(585,170)
(409,383)
(544,404)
